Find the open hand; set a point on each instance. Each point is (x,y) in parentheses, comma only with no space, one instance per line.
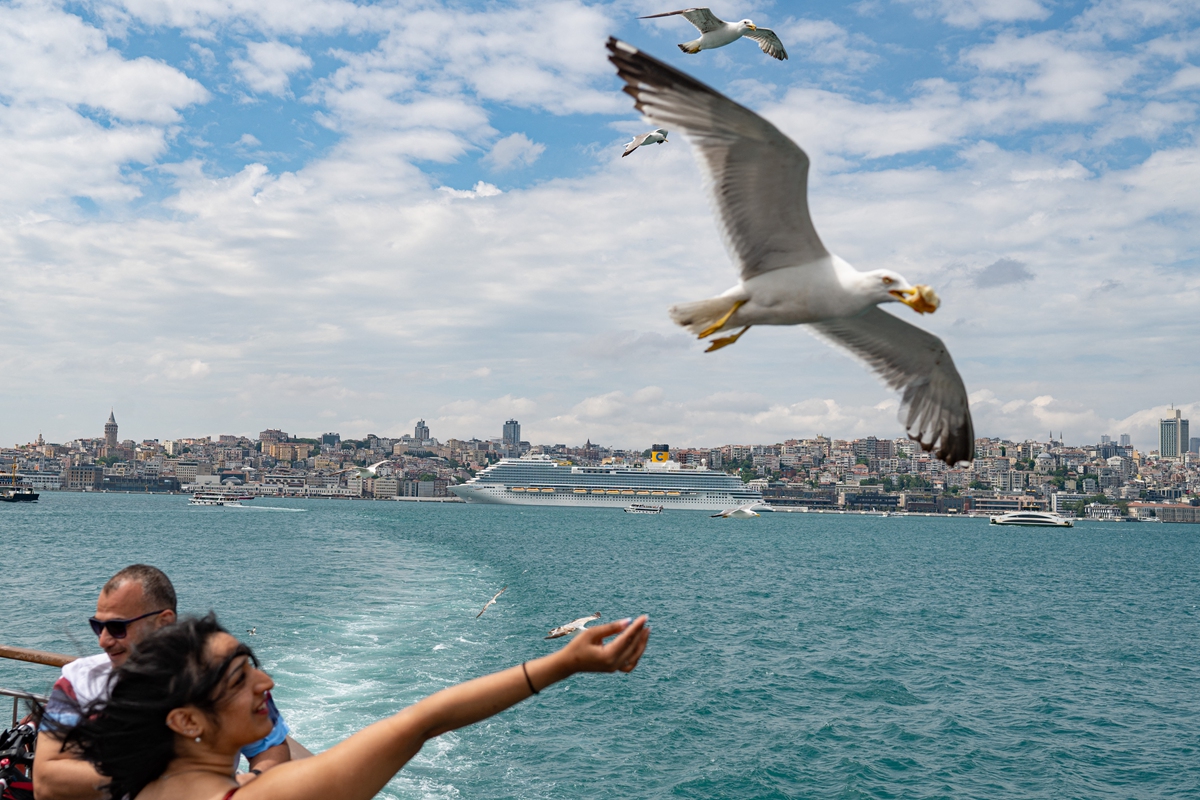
(589,653)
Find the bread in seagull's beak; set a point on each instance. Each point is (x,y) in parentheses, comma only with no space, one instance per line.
(920,298)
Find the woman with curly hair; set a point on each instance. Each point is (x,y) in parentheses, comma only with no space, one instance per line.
(191,695)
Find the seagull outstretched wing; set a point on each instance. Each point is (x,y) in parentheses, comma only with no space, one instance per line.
(933,400)
(704,20)
(491,602)
(768,42)
(758,178)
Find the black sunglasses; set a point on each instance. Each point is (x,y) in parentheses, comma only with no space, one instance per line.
(118,628)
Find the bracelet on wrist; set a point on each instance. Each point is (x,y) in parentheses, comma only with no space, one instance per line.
(527,679)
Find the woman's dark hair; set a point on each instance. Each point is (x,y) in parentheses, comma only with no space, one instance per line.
(126,736)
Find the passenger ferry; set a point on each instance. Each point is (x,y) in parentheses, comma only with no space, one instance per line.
(218,499)
(642,508)
(539,480)
(1036,519)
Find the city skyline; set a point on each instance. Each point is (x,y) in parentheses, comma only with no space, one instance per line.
(318,215)
(510,436)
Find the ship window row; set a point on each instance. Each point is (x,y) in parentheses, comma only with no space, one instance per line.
(645,492)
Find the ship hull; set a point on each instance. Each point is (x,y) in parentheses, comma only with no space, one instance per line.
(700,501)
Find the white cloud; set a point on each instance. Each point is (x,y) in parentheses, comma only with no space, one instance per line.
(481,189)
(827,43)
(268,66)
(74,112)
(51,58)
(973,13)
(515,150)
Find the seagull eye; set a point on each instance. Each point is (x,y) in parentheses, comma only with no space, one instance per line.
(887,281)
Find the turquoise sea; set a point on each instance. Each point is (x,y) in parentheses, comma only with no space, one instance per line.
(793,655)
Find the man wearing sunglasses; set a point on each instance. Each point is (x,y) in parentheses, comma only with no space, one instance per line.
(136,601)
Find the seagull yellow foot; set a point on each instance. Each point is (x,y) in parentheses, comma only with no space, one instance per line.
(716,326)
(725,341)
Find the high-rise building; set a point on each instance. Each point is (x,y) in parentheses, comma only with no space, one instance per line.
(421,431)
(331,439)
(1173,438)
(1194,444)
(512,434)
(1105,438)
(110,431)
(1125,441)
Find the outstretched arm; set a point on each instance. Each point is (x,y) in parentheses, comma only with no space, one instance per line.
(360,766)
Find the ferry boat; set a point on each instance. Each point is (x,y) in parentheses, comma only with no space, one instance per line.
(642,508)
(20,494)
(218,499)
(1036,519)
(539,480)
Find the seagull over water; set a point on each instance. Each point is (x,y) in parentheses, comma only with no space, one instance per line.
(758,182)
(741,512)
(653,137)
(715,33)
(572,627)
(491,602)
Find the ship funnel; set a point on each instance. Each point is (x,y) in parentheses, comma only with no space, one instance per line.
(660,453)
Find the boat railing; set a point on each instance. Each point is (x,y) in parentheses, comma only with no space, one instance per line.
(17,696)
(49,659)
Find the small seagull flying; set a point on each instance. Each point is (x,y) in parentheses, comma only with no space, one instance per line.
(758,182)
(716,33)
(572,627)
(365,472)
(252,631)
(491,602)
(653,137)
(744,511)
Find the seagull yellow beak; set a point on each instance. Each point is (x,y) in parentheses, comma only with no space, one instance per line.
(753,27)
(920,298)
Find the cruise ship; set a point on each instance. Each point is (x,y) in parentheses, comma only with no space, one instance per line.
(539,480)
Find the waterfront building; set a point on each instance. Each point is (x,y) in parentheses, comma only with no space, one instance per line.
(1172,435)
(1064,502)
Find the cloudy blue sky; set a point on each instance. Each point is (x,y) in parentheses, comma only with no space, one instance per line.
(224,215)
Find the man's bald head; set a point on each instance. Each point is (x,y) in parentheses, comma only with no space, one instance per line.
(156,586)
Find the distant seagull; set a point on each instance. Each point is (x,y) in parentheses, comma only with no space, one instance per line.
(252,631)
(365,472)
(491,602)
(758,180)
(715,33)
(741,512)
(653,137)
(572,627)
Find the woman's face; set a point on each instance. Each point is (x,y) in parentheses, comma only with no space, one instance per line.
(242,712)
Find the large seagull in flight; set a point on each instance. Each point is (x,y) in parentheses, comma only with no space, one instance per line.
(758,181)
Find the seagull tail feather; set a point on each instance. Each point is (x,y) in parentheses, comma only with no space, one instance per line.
(700,315)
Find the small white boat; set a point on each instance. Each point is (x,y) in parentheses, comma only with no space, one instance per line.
(642,508)
(217,499)
(1035,519)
